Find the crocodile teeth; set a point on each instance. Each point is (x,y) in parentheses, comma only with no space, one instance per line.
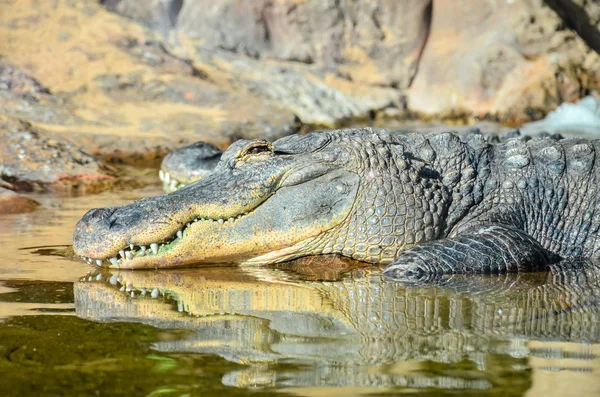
(154,293)
(114,261)
(143,248)
(220,221)
(161,174)
(99,262)
(122,253)
(179,234)
(131,246)
(167,177)
(231,220)
(154,248)
(128,255)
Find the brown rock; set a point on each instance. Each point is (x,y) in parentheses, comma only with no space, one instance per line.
(505,58)
(31,159)
(122,95)
(13,203)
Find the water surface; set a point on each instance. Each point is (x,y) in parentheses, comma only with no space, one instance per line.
(315,328)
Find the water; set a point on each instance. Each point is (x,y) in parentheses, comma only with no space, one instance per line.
(314,328)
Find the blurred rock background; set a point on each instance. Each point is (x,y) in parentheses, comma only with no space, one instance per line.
(126,81)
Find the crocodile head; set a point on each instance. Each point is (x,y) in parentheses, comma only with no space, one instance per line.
(349,192)
(188,164)
(263,203)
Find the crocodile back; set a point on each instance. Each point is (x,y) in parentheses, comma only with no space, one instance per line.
(548,188)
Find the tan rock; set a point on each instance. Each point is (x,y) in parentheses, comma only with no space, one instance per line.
(504,58)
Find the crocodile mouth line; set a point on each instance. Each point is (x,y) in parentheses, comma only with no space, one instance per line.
(133,251)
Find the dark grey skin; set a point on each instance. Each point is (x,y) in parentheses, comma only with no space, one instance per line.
(196,161)
(421,204)
(188,164)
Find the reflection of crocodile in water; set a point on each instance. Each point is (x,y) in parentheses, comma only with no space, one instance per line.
(347,328)
(427,204)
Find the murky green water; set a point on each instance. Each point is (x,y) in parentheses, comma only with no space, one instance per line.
(67,329)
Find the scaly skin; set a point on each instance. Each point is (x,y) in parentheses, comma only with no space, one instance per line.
(196,161)
(425,205)
(188,164)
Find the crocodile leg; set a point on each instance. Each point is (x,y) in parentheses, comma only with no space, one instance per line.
(485,250)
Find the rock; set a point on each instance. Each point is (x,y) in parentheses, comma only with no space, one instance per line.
(17,82)
(375,42)
(13,203)
(31,159)
(123,96)
(513,60)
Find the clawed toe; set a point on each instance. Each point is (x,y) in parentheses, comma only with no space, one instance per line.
(401,272)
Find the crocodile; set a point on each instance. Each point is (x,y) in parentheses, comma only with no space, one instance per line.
(346,332)
(423,205)
(188,164)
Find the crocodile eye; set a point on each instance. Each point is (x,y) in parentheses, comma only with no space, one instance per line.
(256,150)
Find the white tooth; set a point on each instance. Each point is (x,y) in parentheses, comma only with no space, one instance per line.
(128,288)
(99,262)
(132,294)
(167,177)
(154,248)
(128,255)
(231,220)
(196,220)
(161,174)
(122,253)
(122,289)
(113,279)
(180,306)
(173,184)
(154,293)
(202,219)
(188,224)
(143,292)
(180,234)
(99,277)
(89,261)
(143,248)
(131,246)
(90,278)
(220,221)
(114,261)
